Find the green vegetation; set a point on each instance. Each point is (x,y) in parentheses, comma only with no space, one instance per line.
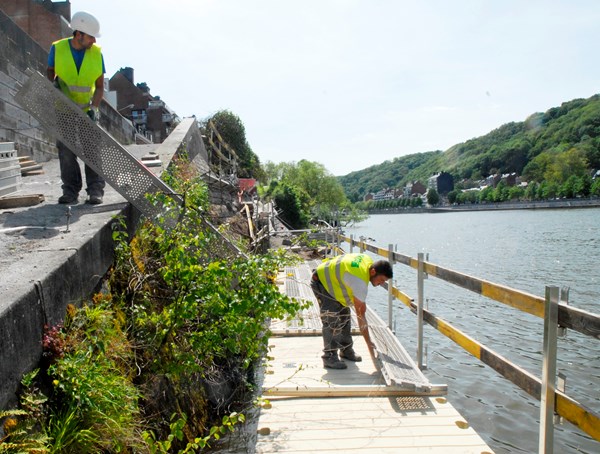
(306,191)
(232,130)
(162,361)
(555,152)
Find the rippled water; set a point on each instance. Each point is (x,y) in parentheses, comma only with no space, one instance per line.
(526,250)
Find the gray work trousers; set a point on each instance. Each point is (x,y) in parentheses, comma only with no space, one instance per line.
(336,321)
(70,174)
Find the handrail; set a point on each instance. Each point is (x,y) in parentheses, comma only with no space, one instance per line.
(568,317)
(582,321)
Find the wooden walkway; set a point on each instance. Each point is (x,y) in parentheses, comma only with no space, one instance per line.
(386,406)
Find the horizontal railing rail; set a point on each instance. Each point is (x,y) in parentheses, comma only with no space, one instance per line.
(579,320)
(568,317)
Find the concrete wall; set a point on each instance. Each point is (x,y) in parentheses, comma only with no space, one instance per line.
(64,277)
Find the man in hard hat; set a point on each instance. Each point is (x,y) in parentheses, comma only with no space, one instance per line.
(338,284)
(76,66)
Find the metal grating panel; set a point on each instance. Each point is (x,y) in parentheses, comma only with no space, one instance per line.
(64,120)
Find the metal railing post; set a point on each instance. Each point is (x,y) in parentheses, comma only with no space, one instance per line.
(547,396)
(420,289)
(362,244)
(351,243)
(390,286)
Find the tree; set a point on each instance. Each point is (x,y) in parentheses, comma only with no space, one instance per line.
(453,196)
(564,165)
(595,189)
(433,198)
(232,131)
(322,193)
(288,200)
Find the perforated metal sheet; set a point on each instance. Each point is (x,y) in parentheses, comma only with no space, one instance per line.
(98,149)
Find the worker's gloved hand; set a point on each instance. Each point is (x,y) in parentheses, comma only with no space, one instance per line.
(94,114)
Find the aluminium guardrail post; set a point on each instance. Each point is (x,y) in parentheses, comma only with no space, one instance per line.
(390,286)
(420,288)
(546,445)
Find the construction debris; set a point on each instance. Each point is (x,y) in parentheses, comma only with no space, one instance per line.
(29,166)
(17,201)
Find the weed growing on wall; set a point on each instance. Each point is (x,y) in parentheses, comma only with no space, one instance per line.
(162,361)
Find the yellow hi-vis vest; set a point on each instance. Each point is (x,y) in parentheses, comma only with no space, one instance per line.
(78,86)
(331,273)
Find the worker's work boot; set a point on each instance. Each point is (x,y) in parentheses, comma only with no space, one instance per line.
(68,197)
(95,199)
(350,355)
(333,362)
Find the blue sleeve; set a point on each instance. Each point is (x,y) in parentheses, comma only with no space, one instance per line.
(51,57)
(103,68)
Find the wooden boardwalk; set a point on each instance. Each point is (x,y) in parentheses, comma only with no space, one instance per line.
(386,406)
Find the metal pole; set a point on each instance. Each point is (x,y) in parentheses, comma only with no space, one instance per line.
(390,286)
(547,397)
(351,243)
(420,287)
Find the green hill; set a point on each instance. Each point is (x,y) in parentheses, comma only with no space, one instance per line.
(529,148)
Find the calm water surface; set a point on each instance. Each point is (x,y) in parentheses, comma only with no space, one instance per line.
(523,249)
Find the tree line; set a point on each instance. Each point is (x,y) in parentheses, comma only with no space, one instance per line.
(556,153)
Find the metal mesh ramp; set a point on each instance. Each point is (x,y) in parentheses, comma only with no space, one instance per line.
(64,120)
(296,284)
(396,365)
(394,362)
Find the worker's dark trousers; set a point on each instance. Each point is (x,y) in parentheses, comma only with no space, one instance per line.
(70,174)
(336,321)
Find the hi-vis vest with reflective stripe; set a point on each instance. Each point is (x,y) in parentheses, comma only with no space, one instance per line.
(80,87)
(332,271)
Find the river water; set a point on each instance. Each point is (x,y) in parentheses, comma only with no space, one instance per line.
(523,249)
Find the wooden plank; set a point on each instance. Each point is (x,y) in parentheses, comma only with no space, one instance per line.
(15,201)
(350,391)
(369,424)
(364,422)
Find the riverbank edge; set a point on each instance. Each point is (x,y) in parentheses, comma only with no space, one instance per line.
(542,205)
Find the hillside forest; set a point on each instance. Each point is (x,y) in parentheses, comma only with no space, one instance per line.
(552,154)
(557,154)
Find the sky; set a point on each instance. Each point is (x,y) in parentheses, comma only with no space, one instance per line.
(353,83)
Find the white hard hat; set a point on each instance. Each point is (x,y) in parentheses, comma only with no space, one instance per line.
(86,23)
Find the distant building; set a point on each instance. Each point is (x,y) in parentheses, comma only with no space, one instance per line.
(492,180)
(247,188)
(385,194)
(442,182)
(45,21)
(413,189)
(510,179)
(149,114)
